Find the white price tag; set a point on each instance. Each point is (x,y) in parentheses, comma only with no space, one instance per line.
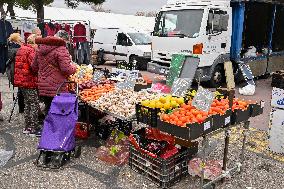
(207,125)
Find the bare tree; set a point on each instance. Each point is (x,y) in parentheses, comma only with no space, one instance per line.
(99,8)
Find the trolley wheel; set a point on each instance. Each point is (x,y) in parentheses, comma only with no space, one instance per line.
(77,151)
(57,160)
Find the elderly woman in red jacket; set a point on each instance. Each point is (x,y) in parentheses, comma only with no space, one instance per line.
(53,65)
(27,81)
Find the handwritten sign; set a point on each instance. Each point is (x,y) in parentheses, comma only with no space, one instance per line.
(180,86)
(203,99)
(128,84)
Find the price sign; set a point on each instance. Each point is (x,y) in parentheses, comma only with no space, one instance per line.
(97,75)
(132,74)
(118,72)
(127,84)
(203,99)
(180,86)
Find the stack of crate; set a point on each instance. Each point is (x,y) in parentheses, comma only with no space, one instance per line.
(276,139)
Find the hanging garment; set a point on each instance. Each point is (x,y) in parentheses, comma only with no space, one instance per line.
(67,28)
(83,50)
(58,27)
(3,57)
(6,30)
(79,33)
(27,27)
(50,29)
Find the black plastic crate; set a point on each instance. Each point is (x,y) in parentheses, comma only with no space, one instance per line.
(104,131)
(221,121)
(239,116)
(256,109)
(147,115)
(190,132)
(139,87)
(164,172)
(278,80)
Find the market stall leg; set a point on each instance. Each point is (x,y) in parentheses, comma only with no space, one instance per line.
(245,132)
(204,142)
(226,149)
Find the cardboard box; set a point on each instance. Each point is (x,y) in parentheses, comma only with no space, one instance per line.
(277,99)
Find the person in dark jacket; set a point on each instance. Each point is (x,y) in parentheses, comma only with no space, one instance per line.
(27,81)
(15,42)
(53,64)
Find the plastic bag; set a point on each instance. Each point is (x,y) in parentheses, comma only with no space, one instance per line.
(248,90)
(212,169)
(5,156)
(116,150)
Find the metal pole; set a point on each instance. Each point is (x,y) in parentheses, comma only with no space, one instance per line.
(204,142)
(226,149)
(246,127)
(15,102)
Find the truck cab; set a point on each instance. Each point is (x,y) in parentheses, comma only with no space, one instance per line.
(215,31)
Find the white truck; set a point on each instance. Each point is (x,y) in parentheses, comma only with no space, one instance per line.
(217,31)
(119,44)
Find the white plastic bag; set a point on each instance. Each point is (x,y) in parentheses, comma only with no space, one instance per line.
(248,90)
(5,156)
(251,52)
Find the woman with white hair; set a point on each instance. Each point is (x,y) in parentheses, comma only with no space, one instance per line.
(27,81)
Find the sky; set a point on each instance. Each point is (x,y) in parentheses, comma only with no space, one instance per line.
(123,6)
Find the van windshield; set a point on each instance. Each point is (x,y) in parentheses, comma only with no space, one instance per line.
(183,23)
(140,38)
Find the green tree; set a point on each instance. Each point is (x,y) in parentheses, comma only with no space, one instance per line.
(10,7)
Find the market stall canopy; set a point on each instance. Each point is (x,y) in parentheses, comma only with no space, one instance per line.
(97,19)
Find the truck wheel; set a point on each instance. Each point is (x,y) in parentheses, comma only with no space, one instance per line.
(217,77)
(133,62)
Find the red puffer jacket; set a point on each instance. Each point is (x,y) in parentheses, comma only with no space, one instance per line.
(24,77)
(53,64)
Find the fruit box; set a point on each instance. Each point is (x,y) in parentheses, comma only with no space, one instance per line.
(165,172)
(139,87)
(147,115)
(221,121)
(239,116)
(190,132)
(256,109)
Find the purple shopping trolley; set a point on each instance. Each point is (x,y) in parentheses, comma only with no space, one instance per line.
(57,143)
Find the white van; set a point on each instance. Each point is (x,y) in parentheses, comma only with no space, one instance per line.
(123,44)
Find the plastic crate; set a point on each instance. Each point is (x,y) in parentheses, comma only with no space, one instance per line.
(139,87)
(104,131)
(146,115)
(256,109)
(221,121)
(163,172)
(239,116)
(190,132)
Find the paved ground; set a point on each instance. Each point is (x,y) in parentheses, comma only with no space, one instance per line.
(260,171)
